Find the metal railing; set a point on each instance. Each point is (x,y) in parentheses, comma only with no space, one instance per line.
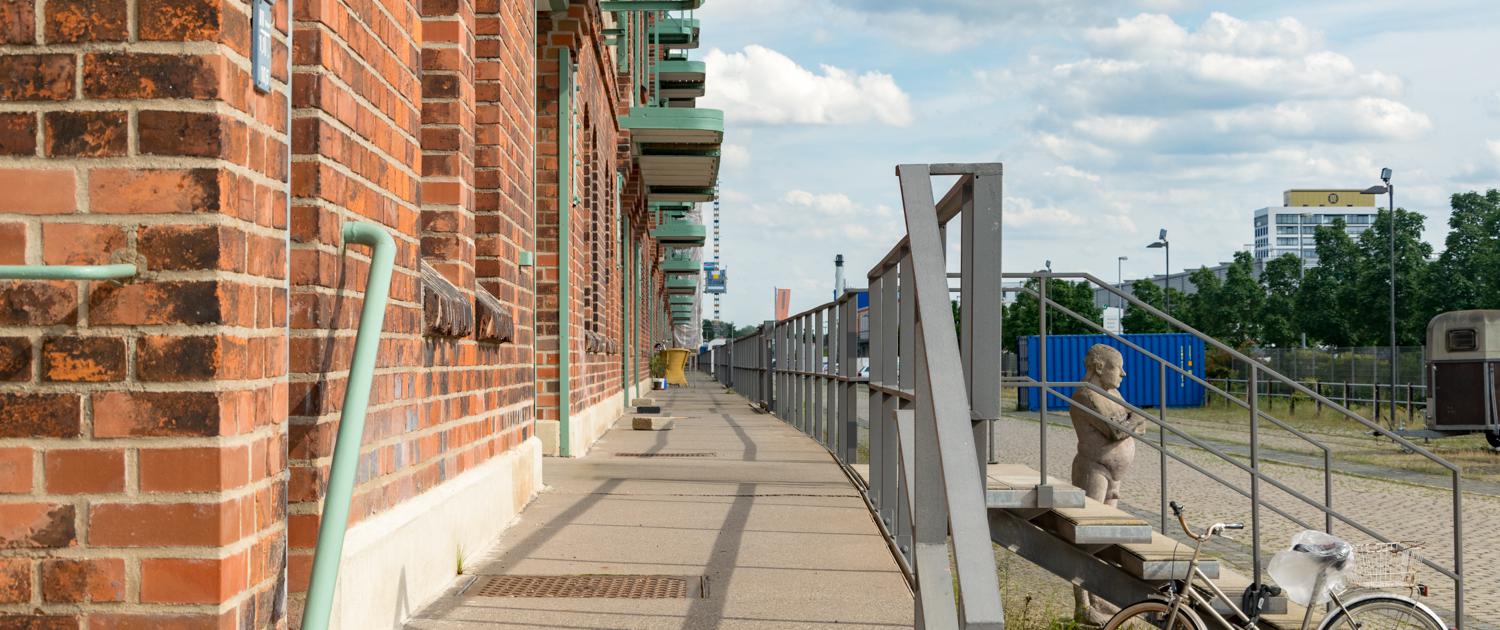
(1411,399)
(1259,378)
(929,423)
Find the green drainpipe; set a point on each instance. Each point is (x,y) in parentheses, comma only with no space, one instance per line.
(625,296)
(564,236)
(66,272)
(325,570)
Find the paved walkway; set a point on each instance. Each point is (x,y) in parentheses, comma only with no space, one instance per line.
(768,518)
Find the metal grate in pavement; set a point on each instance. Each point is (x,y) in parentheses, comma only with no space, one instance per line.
(677,454)
(576,586)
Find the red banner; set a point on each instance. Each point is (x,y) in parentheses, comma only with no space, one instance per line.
(783,303)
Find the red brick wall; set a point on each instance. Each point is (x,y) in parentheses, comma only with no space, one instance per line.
(142,422)
(387,129)
(164,440)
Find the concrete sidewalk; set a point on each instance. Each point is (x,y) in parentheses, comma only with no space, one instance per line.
(766,528)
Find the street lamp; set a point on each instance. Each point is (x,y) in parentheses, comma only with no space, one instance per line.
(1120,281)
(1390,190)
(1166,280)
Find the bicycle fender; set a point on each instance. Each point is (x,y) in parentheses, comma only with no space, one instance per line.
(1358,599)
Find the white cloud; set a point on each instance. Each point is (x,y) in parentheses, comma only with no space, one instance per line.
(734,156)
(760,85)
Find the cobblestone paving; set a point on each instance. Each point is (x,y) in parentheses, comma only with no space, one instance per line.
(1398,511)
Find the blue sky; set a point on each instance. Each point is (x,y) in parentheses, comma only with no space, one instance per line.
(1114,118)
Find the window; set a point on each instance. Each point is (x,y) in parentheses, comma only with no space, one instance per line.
(1463,340)
(1292,219)
(1330,218)
(1286,229)
(1287,241)
(1260,220)
(1358,219)
(1310,229)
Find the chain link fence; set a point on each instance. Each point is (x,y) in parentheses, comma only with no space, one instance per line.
(1353,377)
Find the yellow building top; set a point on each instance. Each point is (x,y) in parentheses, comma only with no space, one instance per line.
(1327,197)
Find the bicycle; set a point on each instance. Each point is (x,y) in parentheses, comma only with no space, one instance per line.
(1182,600)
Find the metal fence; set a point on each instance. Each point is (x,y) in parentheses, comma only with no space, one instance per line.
(1411,400)
(928,428)
(1343,365)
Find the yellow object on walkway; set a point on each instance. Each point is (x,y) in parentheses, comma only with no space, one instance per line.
(676,362)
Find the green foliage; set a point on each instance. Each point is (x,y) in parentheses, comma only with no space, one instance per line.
(1281,278)
(1469,267)
(658,365)
(1022,318)
(1137,320)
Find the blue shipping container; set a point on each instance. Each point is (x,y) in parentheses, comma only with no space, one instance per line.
(1142,384)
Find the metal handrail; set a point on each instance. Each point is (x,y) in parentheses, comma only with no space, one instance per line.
(1256,370)
(67,272)
(341,472)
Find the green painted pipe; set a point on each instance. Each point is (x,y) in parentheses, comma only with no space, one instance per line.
(66,272)
(325,570)
(564,251)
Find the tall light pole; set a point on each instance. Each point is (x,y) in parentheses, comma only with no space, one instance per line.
(1166,280)
(1120,283)
(1390,192)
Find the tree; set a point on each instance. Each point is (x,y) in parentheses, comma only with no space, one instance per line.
(1281,280)
(1467,274)
(1240,301)
(1370,297)
(1325,308)
(1021,316)
(1137,320)
(1203,309)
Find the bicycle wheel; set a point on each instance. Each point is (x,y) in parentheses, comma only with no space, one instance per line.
(1383,613)
(1153,614)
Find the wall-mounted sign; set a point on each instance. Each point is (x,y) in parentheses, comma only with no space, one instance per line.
(261,27)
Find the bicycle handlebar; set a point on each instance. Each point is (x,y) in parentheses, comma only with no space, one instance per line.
(1181,513)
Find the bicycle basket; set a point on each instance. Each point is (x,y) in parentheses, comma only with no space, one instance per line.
(1385,565)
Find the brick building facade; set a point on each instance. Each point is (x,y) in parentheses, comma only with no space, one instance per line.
(165,438)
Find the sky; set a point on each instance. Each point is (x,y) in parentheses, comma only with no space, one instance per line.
(1113,118)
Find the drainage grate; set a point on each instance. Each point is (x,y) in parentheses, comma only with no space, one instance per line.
(611,586)
(703,454)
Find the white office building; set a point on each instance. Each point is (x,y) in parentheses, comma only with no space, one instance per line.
(1289,228)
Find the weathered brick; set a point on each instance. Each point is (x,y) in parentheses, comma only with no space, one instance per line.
(150,75)
(37,303)
(181,247)
(17,130)
(87,580)
(17,21)
(71,21)
(36,191)
(15,580)
(37,526)
(191,580)
(87,134)
(81,243)
(156,621)
(199,358)
(15,470)
(179,20)
(83,359)
(138,191)
(161,524)
(36,77)
(156,414)
(37,621)
(15,359)
(84,471)
(39,415)
(187,302)
(197,134)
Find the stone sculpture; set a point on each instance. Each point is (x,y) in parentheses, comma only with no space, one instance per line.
(1105,451)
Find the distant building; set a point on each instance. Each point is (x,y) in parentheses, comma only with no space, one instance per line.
(1179,280)
(1289,229)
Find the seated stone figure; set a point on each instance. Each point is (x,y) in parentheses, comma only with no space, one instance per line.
(1104,451)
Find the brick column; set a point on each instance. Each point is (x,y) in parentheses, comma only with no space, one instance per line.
(142,422)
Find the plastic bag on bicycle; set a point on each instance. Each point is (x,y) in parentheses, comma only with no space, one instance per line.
(1296,570)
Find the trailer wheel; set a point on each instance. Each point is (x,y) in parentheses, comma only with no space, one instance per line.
(1493,437)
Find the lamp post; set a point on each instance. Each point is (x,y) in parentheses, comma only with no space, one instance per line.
(1390,191)
(1166,280)
(1120,282)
